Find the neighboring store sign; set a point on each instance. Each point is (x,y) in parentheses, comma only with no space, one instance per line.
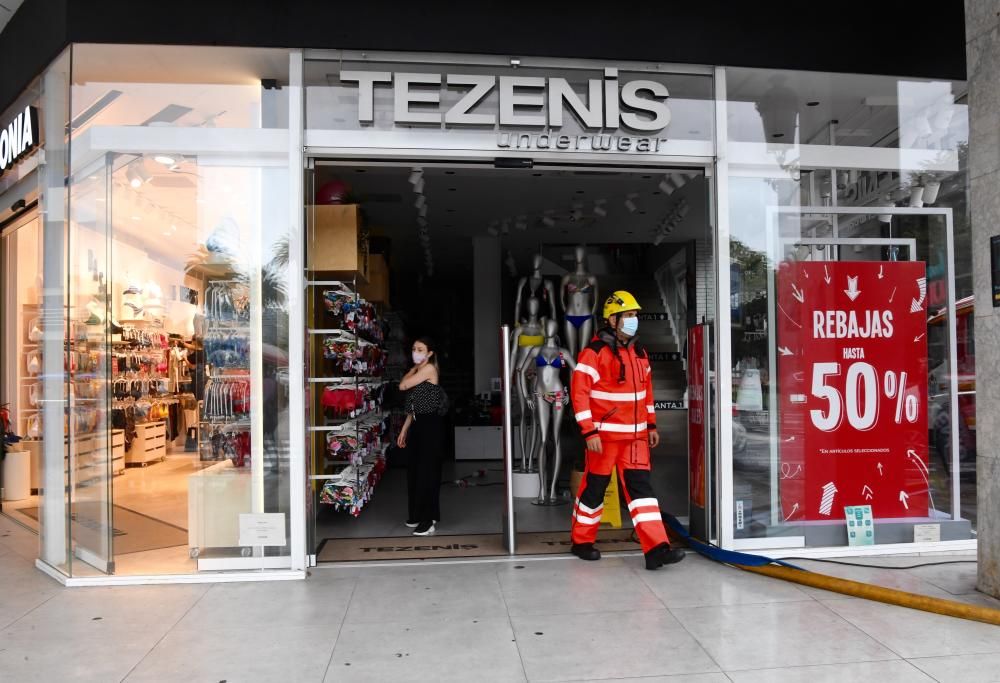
(696,414)
(18,138)
(852,386)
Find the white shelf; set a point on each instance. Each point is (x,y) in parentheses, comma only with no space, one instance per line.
(348,380)
(330,283)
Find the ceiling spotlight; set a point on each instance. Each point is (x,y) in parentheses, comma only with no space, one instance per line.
(917,197)
(416,175)
(600,211)
(420,201)
(418,186)
(657,240)
(422,211)
(666,185)
(548,221)
(931,188)
(630,204)
(137,175)
(576,215)
(492,231)
(521,224)
(421,221)
(164,159)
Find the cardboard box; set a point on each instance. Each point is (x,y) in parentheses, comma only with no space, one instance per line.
(335,244)
(377,289)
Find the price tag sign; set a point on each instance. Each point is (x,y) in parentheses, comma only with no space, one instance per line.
(852,388)
(264,529)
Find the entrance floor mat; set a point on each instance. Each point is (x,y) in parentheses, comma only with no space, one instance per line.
(471,545)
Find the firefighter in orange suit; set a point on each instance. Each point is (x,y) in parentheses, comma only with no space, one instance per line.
(612,393)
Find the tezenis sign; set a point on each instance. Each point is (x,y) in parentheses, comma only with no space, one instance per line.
(638,107)
(18,138)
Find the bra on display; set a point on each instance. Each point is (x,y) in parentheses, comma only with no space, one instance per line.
(34,364)
(556,362)
(35,330)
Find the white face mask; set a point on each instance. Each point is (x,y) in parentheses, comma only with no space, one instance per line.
(418,357)
(630,326)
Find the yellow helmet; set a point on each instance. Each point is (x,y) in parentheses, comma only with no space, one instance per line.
(619,302)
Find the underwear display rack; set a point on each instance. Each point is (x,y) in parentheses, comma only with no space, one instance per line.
(225,418)
(347,387)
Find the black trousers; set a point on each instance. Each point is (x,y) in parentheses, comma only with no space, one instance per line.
(423,473)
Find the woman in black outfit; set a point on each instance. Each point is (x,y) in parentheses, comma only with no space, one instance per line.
(424,431)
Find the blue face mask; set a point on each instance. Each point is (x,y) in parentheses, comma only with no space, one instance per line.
(630,326)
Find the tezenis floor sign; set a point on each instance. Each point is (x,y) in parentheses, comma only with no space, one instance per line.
(18,138)
(852,387)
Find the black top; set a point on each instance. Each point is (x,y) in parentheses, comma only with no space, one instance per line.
(425,399)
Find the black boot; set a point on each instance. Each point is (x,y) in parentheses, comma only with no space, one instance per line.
(661,555)
(585,551)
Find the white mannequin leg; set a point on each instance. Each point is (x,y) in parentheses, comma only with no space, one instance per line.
(543,412)
(557,418)
(572,338)
(586,333)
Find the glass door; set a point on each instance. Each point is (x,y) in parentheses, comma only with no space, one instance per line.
(854,406)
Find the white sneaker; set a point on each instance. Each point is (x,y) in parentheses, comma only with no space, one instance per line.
(422,531)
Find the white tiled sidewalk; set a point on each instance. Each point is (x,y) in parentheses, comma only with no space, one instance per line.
(550,620)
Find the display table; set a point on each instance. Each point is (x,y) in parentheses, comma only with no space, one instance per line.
(217,496)
(479,443)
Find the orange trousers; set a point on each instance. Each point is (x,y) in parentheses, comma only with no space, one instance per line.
(632,459)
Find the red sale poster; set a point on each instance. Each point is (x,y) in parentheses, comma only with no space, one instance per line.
(696,414)
(852,384)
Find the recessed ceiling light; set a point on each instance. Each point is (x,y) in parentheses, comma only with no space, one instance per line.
(449,173)
(642,213)
(646,177)
(656,192)
(451,210)
(579,191)
(778,135)
(814,103)
(452,189)
(628,232)
(536,174)
(164,159)
(136,218)
(361,170)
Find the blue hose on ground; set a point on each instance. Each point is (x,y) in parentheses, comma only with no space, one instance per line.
(716,553)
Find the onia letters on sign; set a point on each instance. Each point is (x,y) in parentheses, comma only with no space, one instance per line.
(18,138)
(511,104)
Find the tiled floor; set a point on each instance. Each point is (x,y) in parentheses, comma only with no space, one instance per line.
(548,620)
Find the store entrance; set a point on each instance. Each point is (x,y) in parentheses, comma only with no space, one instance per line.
(452,253)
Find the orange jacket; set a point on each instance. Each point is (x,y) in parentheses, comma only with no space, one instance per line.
(612,389)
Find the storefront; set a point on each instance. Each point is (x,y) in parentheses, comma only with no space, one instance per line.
(212,283)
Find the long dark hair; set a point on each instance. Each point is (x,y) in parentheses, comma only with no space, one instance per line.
(431,350)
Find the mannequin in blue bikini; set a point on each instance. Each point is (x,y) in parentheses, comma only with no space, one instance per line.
(579,299)
(548,400)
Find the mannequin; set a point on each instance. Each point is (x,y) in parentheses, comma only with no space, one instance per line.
(527,335)
(579,299)
(548,399)
(538,287)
